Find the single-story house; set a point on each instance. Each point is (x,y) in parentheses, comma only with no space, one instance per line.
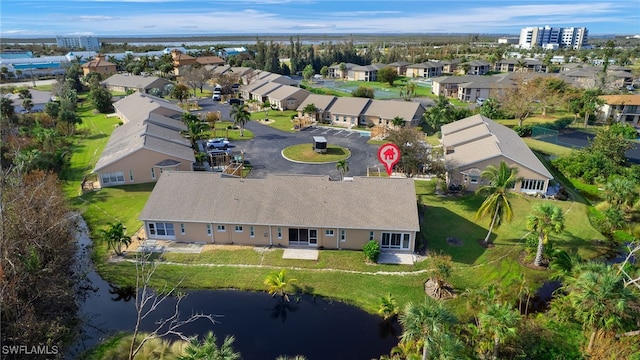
(277,78)
(246,91)
(146,145)
(283,210)
(348,111)
(322,104)
(146,84)
(261,93)
(473,143)
(39,99)
(287,97)
(99,65)
(426,69)
(622,108)
(382,112)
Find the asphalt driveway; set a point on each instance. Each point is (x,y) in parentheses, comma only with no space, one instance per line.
(264,150)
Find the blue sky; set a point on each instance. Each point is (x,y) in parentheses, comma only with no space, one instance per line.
(23,18)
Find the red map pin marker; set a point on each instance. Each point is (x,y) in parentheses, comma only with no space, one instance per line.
(389,155)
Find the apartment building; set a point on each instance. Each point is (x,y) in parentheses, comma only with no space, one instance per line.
(554,37)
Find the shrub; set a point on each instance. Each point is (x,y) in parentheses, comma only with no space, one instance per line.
(625,130)
(372,250)
(523,131)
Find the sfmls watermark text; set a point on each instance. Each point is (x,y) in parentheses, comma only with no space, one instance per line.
(30,350)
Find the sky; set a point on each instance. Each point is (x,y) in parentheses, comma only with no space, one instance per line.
(38,18)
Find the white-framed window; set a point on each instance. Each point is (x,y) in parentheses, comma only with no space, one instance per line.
(531,184)
(279,233)
(221,228)
(153,173)
(161,230)
(372,235)
(182,232)
(343,235)
(131,175)
(474,179)
(238,228)
(112,178)
(329,232)
(208,229)
(400,241)
(252,232)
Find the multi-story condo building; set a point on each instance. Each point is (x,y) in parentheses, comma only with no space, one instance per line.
(89,43)
(553,37)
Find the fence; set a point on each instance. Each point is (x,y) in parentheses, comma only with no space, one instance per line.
(551,136)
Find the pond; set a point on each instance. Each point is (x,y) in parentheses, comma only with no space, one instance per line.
(264,327)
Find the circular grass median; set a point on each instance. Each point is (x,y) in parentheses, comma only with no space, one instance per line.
(305,153)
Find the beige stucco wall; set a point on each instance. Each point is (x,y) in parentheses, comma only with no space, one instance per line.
(141,163)
(265,235)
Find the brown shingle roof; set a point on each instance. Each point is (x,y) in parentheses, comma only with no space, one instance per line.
(621,99)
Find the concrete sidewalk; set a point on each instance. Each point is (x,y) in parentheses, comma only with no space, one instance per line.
(397,258)
(300,254)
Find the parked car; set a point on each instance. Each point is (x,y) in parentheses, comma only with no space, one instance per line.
(236,101)
(480,101)
(217,143)
(217,97)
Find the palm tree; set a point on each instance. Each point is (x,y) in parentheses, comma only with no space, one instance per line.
(208,349)
(497,203)
(428,323)
(499,321)
(388,307)
(620,192)
(343,167)
(311,110)
(599,299)
(196,130)
(115,236)
(277,284)
(240,115)
(544,219)
(521,66)
(397,121)
(27,104)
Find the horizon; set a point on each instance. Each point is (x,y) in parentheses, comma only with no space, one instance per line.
(180,18)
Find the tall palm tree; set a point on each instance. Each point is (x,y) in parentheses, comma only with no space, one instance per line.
(521,66)
(343,167)
(599,299)
(501,179)
(427,322)
(499,321)
(208,349)
(196,130)
(115,236)
(277,284)
(241,115)
(544,219)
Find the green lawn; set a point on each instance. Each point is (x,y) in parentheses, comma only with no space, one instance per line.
(281,119)
(222,130)
(305,152)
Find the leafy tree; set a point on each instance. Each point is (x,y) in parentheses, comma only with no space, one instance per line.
(620,192)
(70,118)
(52,108)
(180,92)
(586,104)
(324,71)
(343,167)
(520,100)
(311,109)
(240,115)
(491,108)
(196,130)
(363,92)
(277,284)
(208,349)
(343,69)
(499,322)
(195,77)
(27,104)
(414,152)
(544,219)
(266,106)
(101,99)
(115,236)
(371,250)
(408,91)
(6,108)
(551,92)
(308,72)
(427,322)
(500,180)
(443,113)
(388,75)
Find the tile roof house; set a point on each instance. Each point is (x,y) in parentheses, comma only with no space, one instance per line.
(473,143)
(146,145)
(426,69)
(145,84)
(322,104)
(99,65)
(283,210)
(209,60)
(287,97)
(623,108)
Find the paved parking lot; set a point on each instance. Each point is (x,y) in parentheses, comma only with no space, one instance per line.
(264,150)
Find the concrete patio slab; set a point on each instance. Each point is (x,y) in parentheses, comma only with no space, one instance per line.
(158,246)
(300,254)
(398,258)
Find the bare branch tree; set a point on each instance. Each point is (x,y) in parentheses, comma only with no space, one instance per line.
(633,248)
(148,300)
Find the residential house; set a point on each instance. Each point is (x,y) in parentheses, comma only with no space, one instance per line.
(364,73)
(484,87)
(287,97)
(322,104)
(261,93)
(521,65)
(448,85)
(348,111)
(622,108)
(450,66)
(336,72)
(277,78)
(246,91)
(145,84)
(209,60)
(283,210)
(382,112)
(478,67)
(425,70)
(99,65)
(39,99)
(473,143)
(180,59)
(400,67)
(146,145)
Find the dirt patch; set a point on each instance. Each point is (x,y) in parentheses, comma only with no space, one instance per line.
(454,241)
(522,259)
(439,289)
(265,121)
(486,246)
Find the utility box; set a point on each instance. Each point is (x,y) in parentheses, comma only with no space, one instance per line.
(320,144)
